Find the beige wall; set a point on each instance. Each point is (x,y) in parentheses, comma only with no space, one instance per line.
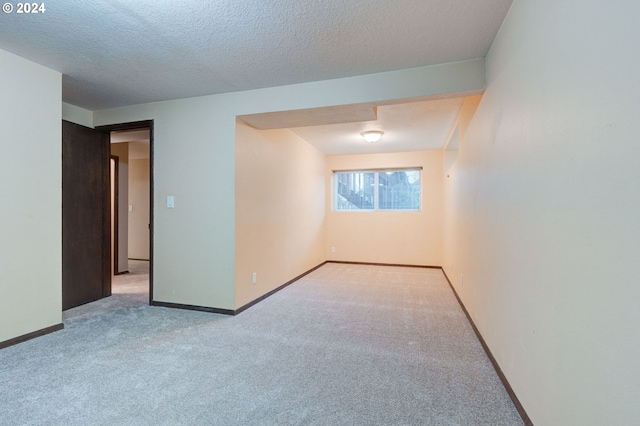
(77,115)
(545,196)
(413,238)
(194,148)
(453,232)
(30,177)
(121,150)
(139,215)
(280,209)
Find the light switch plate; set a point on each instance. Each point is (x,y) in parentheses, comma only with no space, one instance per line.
(170,202)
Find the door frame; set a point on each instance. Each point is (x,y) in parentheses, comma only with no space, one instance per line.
(138,125)
(114,179)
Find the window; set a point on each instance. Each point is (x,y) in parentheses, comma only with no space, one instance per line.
(377,190)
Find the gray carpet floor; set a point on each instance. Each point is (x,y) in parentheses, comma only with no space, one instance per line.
(345,345)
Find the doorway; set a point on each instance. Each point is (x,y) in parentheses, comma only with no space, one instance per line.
(132,199)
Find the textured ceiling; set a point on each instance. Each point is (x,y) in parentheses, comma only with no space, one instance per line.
(115,53)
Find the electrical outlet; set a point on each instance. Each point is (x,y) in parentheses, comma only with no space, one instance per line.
(254,278)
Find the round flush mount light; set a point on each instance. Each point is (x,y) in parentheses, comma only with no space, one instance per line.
(372,136)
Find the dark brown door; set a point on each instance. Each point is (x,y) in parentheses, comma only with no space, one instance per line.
(86,221)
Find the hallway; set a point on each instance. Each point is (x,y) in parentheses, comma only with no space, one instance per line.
(128,290)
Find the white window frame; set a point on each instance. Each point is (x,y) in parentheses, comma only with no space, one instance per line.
(376,197)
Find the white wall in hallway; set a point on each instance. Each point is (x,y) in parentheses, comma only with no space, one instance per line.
(121,150)
(139,214)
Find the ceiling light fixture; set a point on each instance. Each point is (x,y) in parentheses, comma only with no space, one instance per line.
(372,136)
